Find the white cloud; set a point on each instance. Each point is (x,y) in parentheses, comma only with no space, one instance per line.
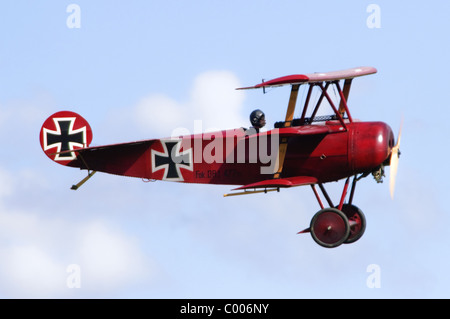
(109,259)
(36,251)
(213,100)
(29,267)
(29,271)
(158,113)
(7,179)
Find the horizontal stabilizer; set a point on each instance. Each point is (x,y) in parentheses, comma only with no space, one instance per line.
(121,159)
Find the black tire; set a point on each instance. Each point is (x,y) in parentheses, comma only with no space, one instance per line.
(355,214)
(330,227)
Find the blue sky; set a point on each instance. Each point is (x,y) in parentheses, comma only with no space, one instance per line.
(140,69)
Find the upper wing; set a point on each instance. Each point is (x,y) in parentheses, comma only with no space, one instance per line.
(315,77)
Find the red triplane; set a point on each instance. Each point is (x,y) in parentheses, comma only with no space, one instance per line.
(309,150)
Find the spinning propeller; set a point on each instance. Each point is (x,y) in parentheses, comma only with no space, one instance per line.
(395,154)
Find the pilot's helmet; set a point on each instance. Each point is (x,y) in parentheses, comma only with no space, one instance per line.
(255,117)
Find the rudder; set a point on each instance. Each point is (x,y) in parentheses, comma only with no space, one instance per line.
(63,132)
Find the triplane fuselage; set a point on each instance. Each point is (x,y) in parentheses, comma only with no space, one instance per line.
(309,150)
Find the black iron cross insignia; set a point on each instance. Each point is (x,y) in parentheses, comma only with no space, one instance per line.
(64,138)
(171,160)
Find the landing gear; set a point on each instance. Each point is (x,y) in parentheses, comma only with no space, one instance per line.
(357,222)
(336,225)
(329,227)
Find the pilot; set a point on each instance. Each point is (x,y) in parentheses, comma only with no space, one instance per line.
(257,118)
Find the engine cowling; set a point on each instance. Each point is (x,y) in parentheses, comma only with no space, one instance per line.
(370,146)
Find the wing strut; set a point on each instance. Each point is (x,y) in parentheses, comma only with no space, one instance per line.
(344,96)
(291,105)
(288,122)
(339,116)
(305,107)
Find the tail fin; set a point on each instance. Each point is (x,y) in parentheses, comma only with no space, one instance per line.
(63,132)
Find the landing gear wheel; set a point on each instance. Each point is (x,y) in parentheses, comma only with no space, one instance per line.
(357,222)
(330,227)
